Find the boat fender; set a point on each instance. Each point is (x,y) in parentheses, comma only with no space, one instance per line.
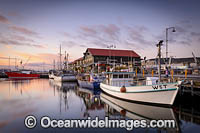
(123,112)
(123,89)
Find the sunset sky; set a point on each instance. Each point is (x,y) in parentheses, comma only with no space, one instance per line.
(34,29)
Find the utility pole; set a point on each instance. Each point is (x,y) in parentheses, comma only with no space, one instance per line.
(159,56)
(173,30)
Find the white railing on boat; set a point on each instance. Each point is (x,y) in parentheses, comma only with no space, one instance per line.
(128,83)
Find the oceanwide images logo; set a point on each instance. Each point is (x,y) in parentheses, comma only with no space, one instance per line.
(47,122)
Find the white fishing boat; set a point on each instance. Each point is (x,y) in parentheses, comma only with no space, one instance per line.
(51,74)
(152,90)
(64,76)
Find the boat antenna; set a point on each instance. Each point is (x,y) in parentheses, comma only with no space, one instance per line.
(159,55)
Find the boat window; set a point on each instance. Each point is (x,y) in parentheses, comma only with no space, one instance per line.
(115,76)
(125,75)
(121,76)
(130,75)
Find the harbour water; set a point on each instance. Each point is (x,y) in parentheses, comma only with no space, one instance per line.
(44,97)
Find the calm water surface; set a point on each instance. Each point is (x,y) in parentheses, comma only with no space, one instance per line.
(43,97)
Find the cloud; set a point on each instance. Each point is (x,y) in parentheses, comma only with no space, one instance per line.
(88,30)
(111,30)
(21,38)
(195,34)
(132,45)
(137,35)
(82,45)
(17,43)
(100,32)
(70,44)
(4,20)
(34,58)
(23,30)
(68,35)
(100,44)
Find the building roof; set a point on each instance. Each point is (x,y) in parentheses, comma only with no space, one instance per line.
(112,52)
(79,59)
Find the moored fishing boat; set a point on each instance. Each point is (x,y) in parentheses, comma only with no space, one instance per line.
(64,76)
(151,91)
(22,74)
(90,81)
(51,74)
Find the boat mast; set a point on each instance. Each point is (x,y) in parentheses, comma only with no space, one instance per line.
(159,56)
(67,61)
(54,65)
(60,58)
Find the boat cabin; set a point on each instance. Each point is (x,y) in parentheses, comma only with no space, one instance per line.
(120,75)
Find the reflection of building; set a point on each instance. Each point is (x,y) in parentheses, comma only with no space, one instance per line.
(91,100)
(99,60)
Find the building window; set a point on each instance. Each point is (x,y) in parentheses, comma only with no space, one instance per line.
(121,76)
(115,76)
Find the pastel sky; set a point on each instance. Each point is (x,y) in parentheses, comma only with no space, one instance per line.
(35,28)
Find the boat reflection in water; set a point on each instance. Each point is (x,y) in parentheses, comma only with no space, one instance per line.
(63,85)
(91,100)
(63,89)
(116,109)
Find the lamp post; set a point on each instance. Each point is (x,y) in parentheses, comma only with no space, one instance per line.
(173,30)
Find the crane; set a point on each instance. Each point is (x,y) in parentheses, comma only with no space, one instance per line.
(195,59)
(8,58)
(26,62)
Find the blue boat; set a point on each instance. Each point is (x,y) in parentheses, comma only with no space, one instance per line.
(90,81)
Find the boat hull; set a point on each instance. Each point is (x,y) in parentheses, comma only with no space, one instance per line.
(90,85)
(51,76)
(71,78)
(15,75)
(145,94)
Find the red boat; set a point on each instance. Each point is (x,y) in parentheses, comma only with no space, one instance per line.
(23,74)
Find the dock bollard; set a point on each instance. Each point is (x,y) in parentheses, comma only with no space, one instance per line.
(172,74)
(152,73)
(185,73)
(143,73)
(192,89)
(136,72)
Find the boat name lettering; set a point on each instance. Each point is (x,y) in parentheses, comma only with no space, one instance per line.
(159,87)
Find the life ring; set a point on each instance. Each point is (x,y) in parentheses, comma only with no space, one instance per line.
(123,89)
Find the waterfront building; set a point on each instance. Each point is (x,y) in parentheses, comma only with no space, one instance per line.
(177,64)
(101,60)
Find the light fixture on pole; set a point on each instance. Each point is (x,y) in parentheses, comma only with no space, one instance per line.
(173,30)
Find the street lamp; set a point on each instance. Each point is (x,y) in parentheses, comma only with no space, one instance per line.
(173,30)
